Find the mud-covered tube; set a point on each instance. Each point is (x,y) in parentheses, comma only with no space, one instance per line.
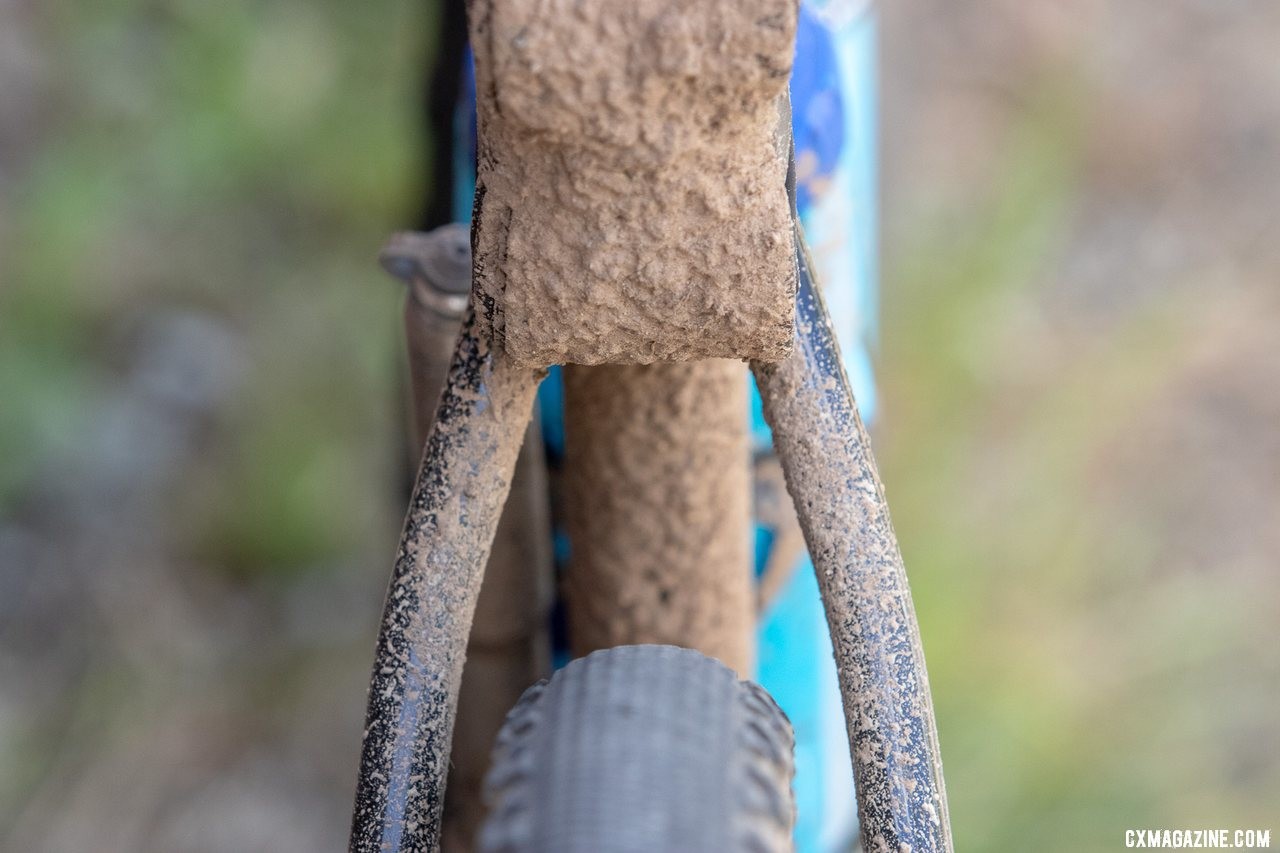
(462,483)
(831,475)
(658,508)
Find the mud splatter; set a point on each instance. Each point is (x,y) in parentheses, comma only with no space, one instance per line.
(463,481)
(830,472)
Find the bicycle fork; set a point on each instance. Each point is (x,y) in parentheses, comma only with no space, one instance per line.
(462,483)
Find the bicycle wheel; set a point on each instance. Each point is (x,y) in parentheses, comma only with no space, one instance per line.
(641,748)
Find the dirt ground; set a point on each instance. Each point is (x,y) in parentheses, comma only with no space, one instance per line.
(200,439)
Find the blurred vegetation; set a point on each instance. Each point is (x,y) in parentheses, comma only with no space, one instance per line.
(240,162)
(1084,684)
(245,160)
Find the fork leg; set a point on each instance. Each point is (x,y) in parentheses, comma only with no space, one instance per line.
(831,475)
(462,483)
(509,647)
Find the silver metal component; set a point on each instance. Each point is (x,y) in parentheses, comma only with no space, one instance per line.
(436,266)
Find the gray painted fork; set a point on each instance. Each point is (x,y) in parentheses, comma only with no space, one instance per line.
(463,481)
(826,457)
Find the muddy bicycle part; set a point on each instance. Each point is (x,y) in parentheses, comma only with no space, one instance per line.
(629,203)
(825,453)
(486,404)
(831,474)
(658,505)
(653,136)
(509,645)
(467,466)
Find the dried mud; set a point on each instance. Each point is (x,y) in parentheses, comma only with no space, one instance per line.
(509,644)
(630,203)
(453,516)
(831,475)
(658,493)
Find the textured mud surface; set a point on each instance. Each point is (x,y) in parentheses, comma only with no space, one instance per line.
(465,476)
(826,456)
(630,203)
(659,508)
(509,647)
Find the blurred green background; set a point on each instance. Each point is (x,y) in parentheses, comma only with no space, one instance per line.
(200,418)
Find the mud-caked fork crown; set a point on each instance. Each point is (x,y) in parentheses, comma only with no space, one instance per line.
(630,201)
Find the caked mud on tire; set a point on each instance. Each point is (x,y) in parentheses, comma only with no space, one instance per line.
(641,748)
